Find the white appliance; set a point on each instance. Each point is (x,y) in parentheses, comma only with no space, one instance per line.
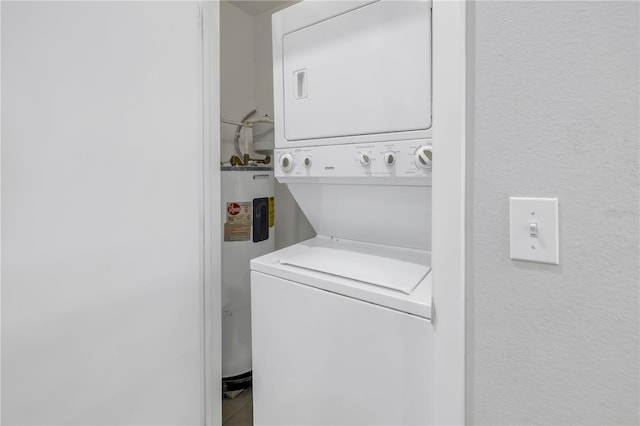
(351,71)
(247,229)
(332,350)
(341,323)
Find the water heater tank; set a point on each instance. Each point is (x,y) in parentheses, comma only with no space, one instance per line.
(248,232)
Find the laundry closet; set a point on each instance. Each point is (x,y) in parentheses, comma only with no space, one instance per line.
(350,308)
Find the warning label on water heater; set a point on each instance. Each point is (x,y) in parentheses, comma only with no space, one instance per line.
(272,212)
(238,224)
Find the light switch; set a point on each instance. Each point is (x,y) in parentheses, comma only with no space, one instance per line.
(533,226)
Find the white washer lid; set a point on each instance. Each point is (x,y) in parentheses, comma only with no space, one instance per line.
(418,303)
(399,270)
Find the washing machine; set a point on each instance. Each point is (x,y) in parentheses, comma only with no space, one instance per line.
(341,323)
(331,347)
(342,327)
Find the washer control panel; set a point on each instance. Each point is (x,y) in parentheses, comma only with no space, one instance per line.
(411,158)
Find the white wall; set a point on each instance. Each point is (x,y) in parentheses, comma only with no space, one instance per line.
(102,262)
(554,112)
(247,83)
(237,72)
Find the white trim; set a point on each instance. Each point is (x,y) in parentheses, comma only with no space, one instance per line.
(0,209)
(212,253)
(448,257)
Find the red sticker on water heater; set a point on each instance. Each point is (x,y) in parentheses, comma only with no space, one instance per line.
(233,209)
(238,225)
(239,212)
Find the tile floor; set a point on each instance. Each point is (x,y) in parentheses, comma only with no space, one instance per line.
(239,410)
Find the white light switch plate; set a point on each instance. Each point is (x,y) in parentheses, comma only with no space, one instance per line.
(528,216)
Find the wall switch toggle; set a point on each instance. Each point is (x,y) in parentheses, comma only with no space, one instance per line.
(533,229)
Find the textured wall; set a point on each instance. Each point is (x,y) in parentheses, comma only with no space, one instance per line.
(554,112)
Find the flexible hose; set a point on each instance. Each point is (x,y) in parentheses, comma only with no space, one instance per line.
(236,139)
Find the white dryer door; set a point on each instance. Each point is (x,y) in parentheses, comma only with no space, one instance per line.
(363,72)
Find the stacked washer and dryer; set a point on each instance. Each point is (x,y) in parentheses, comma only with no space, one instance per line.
(341,323)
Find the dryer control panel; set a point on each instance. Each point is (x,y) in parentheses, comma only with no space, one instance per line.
(411,158)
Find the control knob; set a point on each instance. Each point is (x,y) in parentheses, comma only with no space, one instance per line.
(424,157)
(286,162)
(389,158)
(307,162)
(365,160)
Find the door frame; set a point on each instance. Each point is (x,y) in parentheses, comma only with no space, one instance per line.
(212,355)
(449,213)
(449,216)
